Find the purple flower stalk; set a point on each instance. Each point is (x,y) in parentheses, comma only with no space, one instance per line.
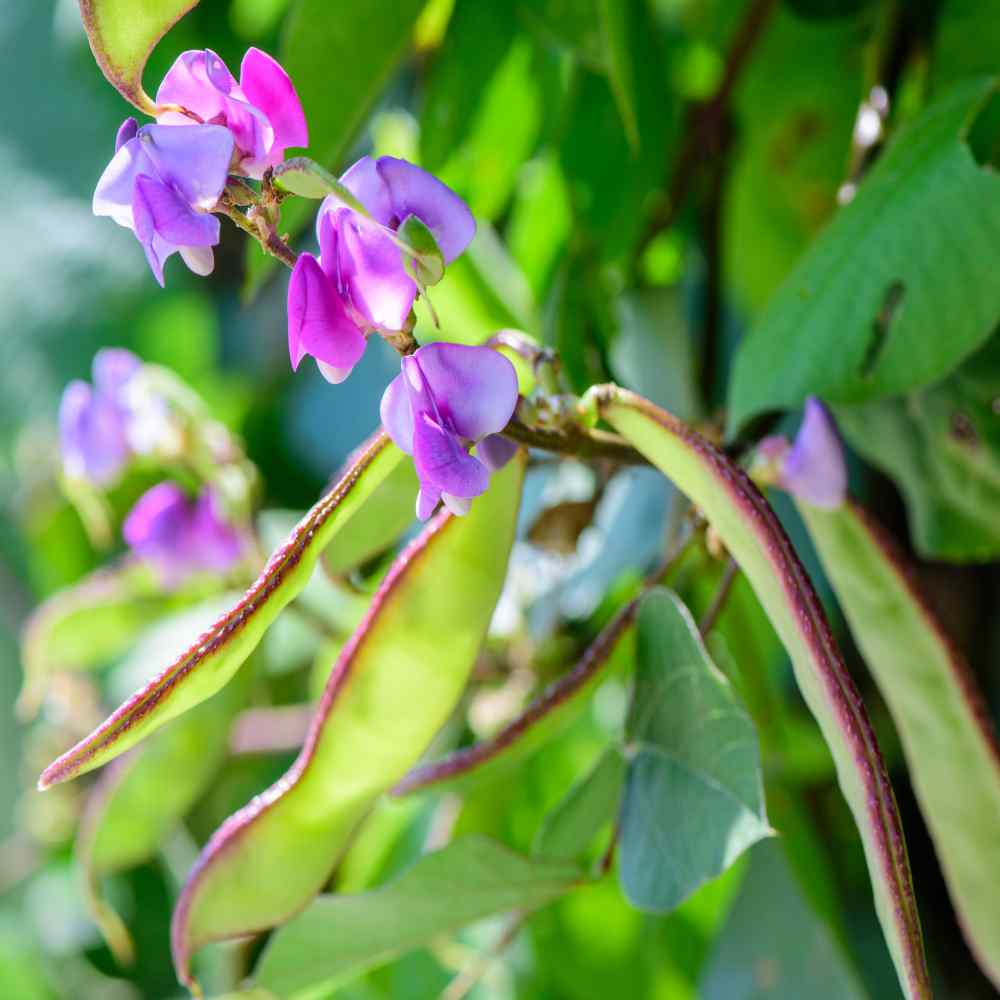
(94,421)
(180,536)
(161,184)
(447,397)
(262,111)
(360,282)
(812,468)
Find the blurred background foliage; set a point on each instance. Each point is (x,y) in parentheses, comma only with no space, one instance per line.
(645,175)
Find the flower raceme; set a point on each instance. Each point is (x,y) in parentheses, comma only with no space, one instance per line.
(360,282)
(262,111)
(812,468)
(102,426)
(447,397)
(180,536)
(166,179)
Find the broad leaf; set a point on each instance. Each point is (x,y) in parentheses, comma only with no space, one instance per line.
(751,532)
(122,34)
(220,651)
(140,800)
(587,807)
(694,798)
(542,720)
(864,313)
(773,946)
(942,720)
(339,936)
(393,686)
(942,447)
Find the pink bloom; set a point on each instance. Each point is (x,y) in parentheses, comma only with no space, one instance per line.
(262,110)
(180,536)
(360,282)
(812,468)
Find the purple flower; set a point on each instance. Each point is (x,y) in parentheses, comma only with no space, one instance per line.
(161,184)
(812,468)
(447,397)
(94,420)
(360,282)
(180,536)
(262,111)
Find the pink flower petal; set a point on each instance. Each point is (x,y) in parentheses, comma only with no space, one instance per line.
(268,87)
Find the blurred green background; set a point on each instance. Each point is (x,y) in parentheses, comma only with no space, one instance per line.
(566,160)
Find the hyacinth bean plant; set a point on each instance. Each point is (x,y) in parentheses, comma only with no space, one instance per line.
(402,575)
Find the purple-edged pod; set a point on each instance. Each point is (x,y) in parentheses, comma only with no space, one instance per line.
(941,717)
(216,654)
(393,686)
(142,797)
(751,532)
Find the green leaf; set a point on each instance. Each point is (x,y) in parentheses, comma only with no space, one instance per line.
(219,652)
(361,45)
(392,688)
(941,717)
(307,179)
(772,946)
(422,256)
(587,807)
(88,625)
(138,802)
(388,512)
(614,17)
(942,447)
(540,722)
(694,797)
(750,531)
(122,33)
(861,316)
(338,936)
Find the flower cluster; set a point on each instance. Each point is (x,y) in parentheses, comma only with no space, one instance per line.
(360,282)
(104,425)
(180,536)
(811,468)
(165,179)
(390,229)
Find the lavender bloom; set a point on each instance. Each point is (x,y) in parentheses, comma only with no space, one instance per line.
(360,282)
(94,420)
(181,536)
(161,184)
(812,468)
(447,397)
(262,110)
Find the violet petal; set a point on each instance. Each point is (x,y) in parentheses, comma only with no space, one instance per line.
(475,387)
(268,87)
(814,469)
(414,191)
(397,415)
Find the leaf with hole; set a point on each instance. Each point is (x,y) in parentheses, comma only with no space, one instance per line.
(898,289)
